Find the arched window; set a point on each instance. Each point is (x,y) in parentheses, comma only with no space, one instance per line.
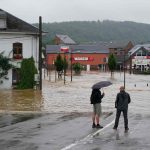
(17,51)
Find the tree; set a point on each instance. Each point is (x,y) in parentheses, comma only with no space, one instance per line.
(59,65)
(65,64)
(27,72)
(77,67)
(91,31)
(112,63)
(4,66)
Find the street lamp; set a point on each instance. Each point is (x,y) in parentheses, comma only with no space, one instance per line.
(64,49)
(125,58)
(124,69)
(64,68)
(71,63)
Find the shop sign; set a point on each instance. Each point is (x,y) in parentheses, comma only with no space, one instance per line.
(141,61)
(83,58)
(148,57)
(140,57)
(64,49)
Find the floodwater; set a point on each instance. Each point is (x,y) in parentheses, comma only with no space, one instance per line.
(75,96)
(20,100)
(68,120)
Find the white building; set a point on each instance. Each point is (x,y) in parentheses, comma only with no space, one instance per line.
(140,57)
(18,40)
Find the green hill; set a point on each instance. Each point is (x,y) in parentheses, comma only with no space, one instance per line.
(92,31)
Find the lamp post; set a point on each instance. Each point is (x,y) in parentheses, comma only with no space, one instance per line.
(124,70)
(71,63)
(44,60)
(64,68)
(64,49)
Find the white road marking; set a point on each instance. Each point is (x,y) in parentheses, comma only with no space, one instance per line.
(98,131)
(88,136)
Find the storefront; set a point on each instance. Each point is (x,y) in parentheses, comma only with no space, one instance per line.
(141,63)
(92,57)
(140,55)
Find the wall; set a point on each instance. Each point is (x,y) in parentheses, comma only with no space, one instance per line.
(87,59)
(30,48)
(7,83)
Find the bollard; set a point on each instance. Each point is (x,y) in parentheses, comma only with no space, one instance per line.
(135,85)
(147,84)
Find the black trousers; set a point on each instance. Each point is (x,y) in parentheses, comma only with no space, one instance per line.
(125,115)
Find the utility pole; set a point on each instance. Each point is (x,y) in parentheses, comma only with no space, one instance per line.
(40,52)
(71,66)
(71,62)
(130,59)
(64,68)
(124,70)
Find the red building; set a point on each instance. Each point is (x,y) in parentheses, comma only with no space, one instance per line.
(92,57)
(120,49)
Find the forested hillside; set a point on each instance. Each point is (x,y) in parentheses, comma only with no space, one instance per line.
(91,31)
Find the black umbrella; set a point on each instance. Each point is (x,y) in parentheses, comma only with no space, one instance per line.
(101,84)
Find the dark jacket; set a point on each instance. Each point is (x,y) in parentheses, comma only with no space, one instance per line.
(122,100)
(96,96)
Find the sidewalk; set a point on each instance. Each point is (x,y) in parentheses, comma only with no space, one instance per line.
(73,131)
(108,139)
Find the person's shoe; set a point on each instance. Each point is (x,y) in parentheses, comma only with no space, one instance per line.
(93,125)
(126,129)
(114,128)
(99,126)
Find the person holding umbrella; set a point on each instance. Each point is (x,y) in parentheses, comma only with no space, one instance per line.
(121,104)
(95,99)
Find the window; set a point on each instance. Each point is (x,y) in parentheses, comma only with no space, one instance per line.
(139,53)
(104,59)
(17,50)
(144,53)
(116,53)
(15,76)
(2,23)
(3,18)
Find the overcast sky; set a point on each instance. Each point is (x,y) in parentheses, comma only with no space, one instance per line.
(78,10)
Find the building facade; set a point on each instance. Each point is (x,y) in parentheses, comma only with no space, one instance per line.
(120,51)
(18,40)
(92,57)
(140,55)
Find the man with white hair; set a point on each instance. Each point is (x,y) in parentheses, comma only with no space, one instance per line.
(121,104)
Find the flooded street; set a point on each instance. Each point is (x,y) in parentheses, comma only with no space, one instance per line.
(75,96)
(59,117)
(20,100)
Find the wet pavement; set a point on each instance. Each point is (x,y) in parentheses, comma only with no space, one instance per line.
(59,117)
